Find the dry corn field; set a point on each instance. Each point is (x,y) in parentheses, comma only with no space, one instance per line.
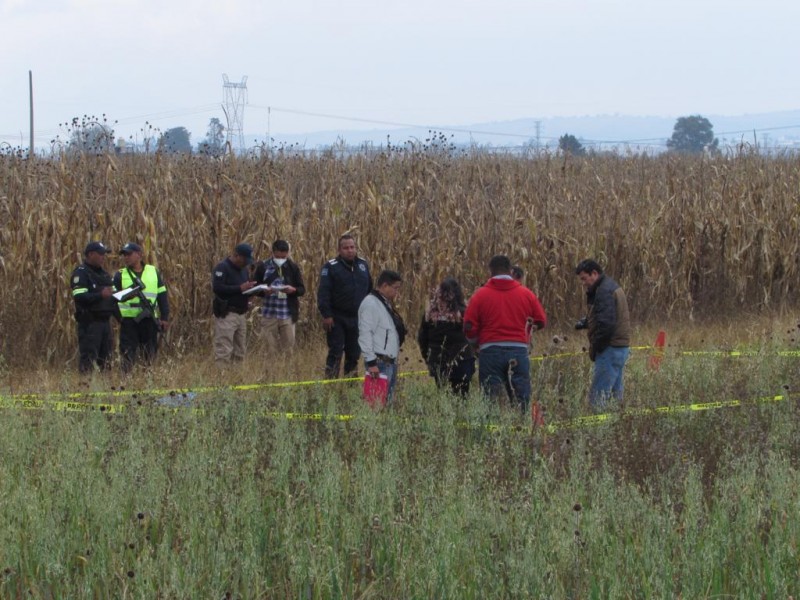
(686,237)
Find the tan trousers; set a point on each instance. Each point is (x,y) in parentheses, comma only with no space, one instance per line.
(230,338)
(279,334)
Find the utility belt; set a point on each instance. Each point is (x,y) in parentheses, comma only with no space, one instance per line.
(345,316)
(221,307)
(390,360)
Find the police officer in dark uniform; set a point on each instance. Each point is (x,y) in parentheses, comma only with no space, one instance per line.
(94,306)
(229,281)
(344,282)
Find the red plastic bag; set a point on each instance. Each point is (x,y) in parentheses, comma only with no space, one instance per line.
(376,389)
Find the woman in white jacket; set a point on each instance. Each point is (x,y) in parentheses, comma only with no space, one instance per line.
(381,330)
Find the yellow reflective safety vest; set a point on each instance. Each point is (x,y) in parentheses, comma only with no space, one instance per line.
(133,306)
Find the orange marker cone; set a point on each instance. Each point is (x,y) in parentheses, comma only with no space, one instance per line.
(537,414)
(654,362)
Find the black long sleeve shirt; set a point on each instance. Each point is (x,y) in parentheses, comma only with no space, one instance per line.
(226,281)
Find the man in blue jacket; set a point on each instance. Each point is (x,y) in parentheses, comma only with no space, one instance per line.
(344,282)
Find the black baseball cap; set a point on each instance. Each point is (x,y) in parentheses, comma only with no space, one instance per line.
(95,247)
(245,251)
(130,247)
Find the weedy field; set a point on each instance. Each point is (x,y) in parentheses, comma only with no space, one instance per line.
(436,497)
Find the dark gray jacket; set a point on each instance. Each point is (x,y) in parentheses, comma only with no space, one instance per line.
(608,317)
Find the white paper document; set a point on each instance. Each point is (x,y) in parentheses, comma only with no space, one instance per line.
(265,288)
(126,294)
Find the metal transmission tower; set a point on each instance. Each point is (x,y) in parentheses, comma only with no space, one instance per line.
(235,99)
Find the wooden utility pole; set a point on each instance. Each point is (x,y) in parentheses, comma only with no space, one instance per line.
(30,86)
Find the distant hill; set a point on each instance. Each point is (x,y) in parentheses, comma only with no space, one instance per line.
(603,131)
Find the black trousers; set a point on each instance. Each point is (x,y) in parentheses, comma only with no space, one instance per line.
(135,338)
(94,344)
(458,375)
(342,339)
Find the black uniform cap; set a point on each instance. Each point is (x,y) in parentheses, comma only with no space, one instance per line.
(95,247)
(130,247)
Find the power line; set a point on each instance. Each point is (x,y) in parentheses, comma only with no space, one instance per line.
(391,123)
(169,114)
(656,141)
(759,129)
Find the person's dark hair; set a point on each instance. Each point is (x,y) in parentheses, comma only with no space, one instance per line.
(451,292)
(280,246)
(588,266)
(447,302)
(388,276)
(517,272)
(346,236)
(500,265)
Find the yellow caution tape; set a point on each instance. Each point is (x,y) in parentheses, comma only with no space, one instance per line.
(62,405)
(574,423)
(312,382)
(735,353)
(310,416)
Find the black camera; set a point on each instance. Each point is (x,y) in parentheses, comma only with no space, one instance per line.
(582,324)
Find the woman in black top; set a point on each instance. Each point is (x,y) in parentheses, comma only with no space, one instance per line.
(441,338)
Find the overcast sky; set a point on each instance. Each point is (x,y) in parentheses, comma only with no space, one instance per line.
(426,62)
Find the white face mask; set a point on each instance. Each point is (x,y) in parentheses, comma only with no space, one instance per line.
(279,262)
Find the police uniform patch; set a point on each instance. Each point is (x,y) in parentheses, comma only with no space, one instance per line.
(218,273)
(76,279)
(324,272)
(362,266)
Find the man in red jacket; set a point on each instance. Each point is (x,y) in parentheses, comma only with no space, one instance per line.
(498,320)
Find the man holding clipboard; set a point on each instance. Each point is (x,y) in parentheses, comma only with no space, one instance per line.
(281,284)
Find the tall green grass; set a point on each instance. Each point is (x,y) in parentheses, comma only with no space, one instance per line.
(419,501)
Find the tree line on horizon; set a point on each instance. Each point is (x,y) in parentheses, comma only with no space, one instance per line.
(95,135)
(692,134)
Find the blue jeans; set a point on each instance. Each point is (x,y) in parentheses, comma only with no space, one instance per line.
(607,378)
(506,370)
(390,370)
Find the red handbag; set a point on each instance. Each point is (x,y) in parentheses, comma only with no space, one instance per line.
(376,390)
